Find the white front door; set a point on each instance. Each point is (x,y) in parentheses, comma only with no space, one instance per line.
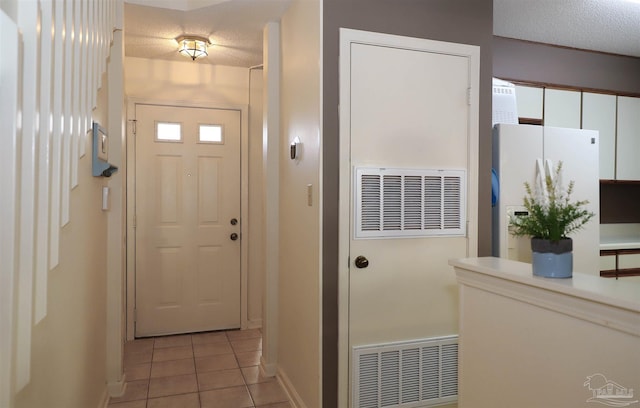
(407,116)
(187,219)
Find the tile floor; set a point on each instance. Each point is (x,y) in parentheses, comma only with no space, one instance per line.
(204,370)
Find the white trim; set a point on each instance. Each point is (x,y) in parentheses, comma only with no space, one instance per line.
(104,399)
(130,278)
(271,190)
(244,216)
(594,311)
(56,139)
(27,20)
(44,175)
(65,181)
(9,66)
(254,324)
(268,369)
(244,200)
(115,217)
(294,398)
(321,214)
(347,37)
(116,388)
(78,132)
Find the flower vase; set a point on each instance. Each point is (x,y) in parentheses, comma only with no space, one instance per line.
(552,259)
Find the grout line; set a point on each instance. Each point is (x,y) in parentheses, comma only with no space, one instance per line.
(153,350)
(199,391)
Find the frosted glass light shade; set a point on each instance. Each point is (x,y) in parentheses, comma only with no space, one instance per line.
(193,47)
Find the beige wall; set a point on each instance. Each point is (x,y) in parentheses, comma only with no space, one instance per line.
(299,351)
(528,342)
(198,82)
(185,81)
(68,360)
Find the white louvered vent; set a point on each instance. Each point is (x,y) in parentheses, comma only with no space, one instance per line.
(409,202)
(407,374)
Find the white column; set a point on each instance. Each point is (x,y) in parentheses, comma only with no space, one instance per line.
(271,135)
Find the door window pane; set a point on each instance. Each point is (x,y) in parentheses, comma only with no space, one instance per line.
(210,134)
(168,132)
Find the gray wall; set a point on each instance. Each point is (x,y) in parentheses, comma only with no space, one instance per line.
(547,64)
(559,66)
(460,21)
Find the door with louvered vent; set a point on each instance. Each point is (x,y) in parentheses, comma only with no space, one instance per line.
(413,185)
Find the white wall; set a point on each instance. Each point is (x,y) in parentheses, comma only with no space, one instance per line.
(528,342)
(68,353)
(198,82)
(59,352)
(299,335)
(191,81)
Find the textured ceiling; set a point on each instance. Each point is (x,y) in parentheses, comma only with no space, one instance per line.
(235,26)
(602,25)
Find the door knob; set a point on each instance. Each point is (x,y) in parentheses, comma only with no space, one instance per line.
(233,236)
(361,262)
(234,221)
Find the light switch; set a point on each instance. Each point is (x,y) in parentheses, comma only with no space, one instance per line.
(105,198)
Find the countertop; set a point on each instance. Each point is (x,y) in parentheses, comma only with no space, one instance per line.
(616,293)
(619,236)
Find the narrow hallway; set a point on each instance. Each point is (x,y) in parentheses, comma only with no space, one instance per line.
(203,370)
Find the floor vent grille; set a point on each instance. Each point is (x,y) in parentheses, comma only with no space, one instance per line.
(419,373)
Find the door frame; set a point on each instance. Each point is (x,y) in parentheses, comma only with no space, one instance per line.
(130,202)
(348,37)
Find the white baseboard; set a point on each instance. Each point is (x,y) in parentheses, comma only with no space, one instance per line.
(117,388)
(254,324)
(104,401)
(269,370)
(294,398)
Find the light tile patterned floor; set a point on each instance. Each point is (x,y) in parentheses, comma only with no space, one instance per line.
(204,370)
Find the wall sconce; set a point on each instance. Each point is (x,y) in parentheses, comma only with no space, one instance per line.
(192,46)
(295,149)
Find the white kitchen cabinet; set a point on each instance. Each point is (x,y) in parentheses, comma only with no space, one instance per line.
(529,101)
(629,261)
(599,113)
(562,108)
(628,139)
(607,262)
(621,263)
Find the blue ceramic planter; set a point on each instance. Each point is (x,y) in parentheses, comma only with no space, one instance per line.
(552,259)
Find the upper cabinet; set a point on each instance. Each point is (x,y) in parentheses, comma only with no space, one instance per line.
(616,118)
(628,139)
(562,108)
(599,113)
(529,101)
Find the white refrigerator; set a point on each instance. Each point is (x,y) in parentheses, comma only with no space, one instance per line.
(516,148)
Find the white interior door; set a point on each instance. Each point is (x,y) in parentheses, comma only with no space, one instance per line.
(408,111)
(187,219)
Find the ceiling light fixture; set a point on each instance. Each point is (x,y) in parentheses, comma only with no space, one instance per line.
(193,46)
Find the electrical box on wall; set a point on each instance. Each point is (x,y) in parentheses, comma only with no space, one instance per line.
(101,166)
